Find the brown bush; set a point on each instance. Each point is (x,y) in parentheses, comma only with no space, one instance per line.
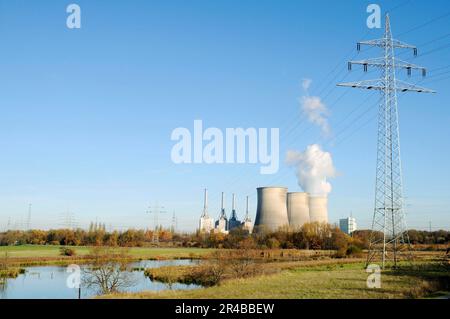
(66,251)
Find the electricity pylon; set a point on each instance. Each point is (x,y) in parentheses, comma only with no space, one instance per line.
(174,223)
(389,237)
(156,210)
(29,217)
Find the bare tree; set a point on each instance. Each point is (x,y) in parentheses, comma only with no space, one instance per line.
(108,273)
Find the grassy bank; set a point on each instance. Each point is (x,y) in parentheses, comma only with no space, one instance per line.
(11,272)
(321,280)
(29,255)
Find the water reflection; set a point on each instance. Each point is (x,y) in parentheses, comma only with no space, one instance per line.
(50,282)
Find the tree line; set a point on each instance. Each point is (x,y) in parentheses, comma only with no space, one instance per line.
(96,235)
(310,236)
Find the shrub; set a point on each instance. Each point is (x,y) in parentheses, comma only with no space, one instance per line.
(208,275)
(353,250)
(66,251)
(273,243)
(11,272)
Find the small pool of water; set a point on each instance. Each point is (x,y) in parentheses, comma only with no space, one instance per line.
(50,282)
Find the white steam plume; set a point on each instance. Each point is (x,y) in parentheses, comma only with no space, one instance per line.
(314,109)
(306,83)
(313,167)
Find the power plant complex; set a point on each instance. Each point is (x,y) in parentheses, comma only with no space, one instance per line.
(222,224)
(276,208)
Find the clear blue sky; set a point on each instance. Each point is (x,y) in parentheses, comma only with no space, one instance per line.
(86,115)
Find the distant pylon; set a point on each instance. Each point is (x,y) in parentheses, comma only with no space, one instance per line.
(389,237)
(156,210)
(174,222)
(68,220)
(29,217)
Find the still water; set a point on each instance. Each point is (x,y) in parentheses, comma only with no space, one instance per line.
(50,282)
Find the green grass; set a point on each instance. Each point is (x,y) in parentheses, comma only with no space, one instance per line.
(30,254)
(347,281)
(30,251)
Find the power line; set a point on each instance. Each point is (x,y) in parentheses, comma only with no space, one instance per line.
(295,124)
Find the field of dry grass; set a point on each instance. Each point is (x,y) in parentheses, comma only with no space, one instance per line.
(321,279)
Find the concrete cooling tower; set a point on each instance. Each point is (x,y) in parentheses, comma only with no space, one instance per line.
(318,209)
(297,209)
(271,213)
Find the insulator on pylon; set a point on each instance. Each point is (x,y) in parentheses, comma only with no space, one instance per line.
(365,67)
(424,72)
(358,47)
(415,51)
(409,71)
(349,66)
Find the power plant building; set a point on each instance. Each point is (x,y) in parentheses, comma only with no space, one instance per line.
(277,208)
(234,222)
(206,223)
(318,209)
(298,209)
(348,225)
(247,224)
(222,222)
(271,213)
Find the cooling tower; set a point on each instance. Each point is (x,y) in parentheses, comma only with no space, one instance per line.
(271,213)
(318,209)
(297,209)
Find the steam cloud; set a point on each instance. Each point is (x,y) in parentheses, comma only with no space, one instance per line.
(313,167)
(314,109)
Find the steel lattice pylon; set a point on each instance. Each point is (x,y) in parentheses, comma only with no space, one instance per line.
(389,237)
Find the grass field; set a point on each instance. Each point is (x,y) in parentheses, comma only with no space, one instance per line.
(339,281)
(28,254)
(323,277)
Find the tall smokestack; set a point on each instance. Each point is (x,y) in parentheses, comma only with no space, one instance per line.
(233,209)
(233,222)
(222,210)
(205,204)
(246,210)
(222,222)
(206,224)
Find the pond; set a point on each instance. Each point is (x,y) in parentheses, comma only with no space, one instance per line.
(50,282)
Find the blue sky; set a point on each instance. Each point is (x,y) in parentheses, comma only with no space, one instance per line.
(86,115)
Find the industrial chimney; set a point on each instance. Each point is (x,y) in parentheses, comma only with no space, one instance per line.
(206,223)
(222,222)
(247,224)
(233,222)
